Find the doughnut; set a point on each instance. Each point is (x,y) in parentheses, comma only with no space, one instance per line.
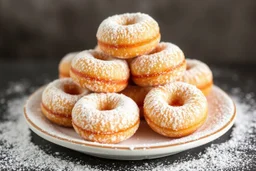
(198,74)
(99,72)
(137,94)
(105,117)
(163,65)
(128,35)
(65,63)
(97,48)
(176,109)
(58,99)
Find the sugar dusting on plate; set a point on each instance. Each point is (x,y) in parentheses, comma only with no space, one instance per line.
(17,151)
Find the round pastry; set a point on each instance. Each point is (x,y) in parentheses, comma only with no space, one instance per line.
(137,94)
(176,109)
(65,63)
(105,117)
(163,65)
(99,72)
(128,35)
(198,74)
(58,100)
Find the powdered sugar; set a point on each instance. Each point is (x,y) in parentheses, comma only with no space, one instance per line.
(18,152)
(127,28)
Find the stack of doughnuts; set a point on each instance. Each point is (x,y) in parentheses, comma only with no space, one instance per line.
(105,92)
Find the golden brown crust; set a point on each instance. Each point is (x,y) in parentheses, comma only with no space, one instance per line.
(65,64)
(60,119)
(176,133)
(129,51)
(98,85)
(160,78)
(110,138)
(64,75)
(138,95)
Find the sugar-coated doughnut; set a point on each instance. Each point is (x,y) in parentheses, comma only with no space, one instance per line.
(99,72)
(58,100)
(163,65)
(198,74)
(176,109)
(105,117)
(65,64)
(137,94)
(128,35)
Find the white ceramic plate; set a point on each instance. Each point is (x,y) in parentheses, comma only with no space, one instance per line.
(145,144)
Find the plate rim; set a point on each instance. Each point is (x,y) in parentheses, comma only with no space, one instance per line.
(108,146)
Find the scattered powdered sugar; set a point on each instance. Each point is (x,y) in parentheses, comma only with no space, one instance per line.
(19,87)
(17,152)
(16,149)
(232,154)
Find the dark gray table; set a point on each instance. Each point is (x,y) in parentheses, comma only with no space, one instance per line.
(226,76)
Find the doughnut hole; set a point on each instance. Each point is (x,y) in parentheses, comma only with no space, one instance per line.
(189,66)
(100,56)
(176,100)
(106,104)
(127,21)
(157,49)
(72,89)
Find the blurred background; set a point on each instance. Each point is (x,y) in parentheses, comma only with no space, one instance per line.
(213,31)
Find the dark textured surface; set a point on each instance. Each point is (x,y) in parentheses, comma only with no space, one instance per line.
(207,30)
(227,77)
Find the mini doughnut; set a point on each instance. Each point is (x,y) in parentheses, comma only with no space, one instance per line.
(198,74)
(176,109)
(105,117)
(99,72)
(65,63)
(128,35)
(163,65)
(58,100)
(137,94)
